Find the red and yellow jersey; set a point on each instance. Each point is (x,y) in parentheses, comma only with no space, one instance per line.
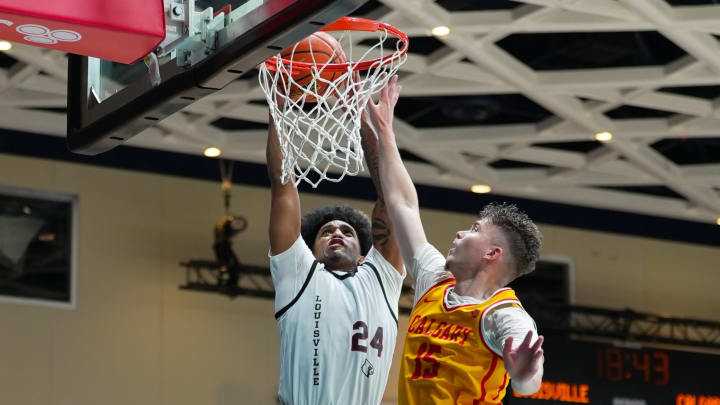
(445,358)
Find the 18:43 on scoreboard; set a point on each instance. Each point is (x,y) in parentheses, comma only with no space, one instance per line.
(599,373)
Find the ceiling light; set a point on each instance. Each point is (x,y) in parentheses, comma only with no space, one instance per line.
(5,46)
(46,237)
(604,136)
(440,31)
(480,188)
(718,221)
(212,152)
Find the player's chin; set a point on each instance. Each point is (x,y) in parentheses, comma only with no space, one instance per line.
(341,260)
(450,256)
(335,256)
(451,260)
(334,251)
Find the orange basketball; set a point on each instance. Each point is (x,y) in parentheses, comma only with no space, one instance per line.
(319,48)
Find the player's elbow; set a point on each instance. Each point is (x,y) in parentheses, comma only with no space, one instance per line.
(401,199)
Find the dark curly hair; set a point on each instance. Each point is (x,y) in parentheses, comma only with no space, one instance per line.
(315,219)
(524,237)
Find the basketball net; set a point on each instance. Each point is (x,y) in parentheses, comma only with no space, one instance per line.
(321,140)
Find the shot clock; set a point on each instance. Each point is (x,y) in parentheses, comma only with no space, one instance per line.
(585,372)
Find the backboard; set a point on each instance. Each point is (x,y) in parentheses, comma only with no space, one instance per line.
(208,44)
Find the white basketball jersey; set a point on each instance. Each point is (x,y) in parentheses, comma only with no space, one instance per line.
(338,332)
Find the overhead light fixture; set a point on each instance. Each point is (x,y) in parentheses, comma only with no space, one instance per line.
(212,152)
(604,136)
(718,221)
(5,46)
(480,189)
(46,237)
(440,31)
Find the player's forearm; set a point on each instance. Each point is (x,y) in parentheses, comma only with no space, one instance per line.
(397,186)
(284,201)
(273,156)
(369,144)
(382,230)
(528,386)
(400,198)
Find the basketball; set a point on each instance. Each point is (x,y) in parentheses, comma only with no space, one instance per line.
(319,48)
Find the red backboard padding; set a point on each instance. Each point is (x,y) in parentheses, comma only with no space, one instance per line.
(121,31)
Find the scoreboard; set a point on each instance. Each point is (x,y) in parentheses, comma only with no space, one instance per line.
(597,373)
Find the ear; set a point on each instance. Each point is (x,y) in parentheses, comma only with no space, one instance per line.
(494,254)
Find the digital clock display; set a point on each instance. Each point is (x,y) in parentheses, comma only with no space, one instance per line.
(598,373)
(616,364)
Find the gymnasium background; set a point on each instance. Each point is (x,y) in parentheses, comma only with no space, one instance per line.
(135,338)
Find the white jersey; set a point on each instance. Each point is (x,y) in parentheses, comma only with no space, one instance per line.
(337,329)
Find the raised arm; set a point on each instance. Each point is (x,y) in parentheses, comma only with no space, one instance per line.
(384,238)
(397,187)
(285,202)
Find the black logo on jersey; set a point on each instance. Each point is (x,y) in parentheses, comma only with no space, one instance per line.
(367,368)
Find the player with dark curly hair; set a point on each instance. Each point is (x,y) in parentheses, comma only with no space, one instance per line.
(315,219)
(337,283)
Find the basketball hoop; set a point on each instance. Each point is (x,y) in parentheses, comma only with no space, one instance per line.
(317,105)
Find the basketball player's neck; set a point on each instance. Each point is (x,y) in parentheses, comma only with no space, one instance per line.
(479,284)
(346,269)
(340,265)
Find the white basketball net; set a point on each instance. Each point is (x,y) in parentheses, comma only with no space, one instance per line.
(321,141)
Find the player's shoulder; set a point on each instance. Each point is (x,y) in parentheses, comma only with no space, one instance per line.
(298,250)
(376,262)
(509,314)
(375,257)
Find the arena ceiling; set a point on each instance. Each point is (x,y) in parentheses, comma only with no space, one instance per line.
(511,98)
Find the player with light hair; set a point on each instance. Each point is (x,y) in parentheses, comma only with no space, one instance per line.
(459,346)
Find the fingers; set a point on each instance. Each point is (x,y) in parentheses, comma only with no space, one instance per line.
(371,106)
(538,343)
(395,90)
(385,89)
(382,110)
(528,339)
(537,359)
(391,87)
(534,362)
(508,345)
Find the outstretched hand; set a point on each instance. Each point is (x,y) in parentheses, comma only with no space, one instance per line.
(380,114)
(524,361)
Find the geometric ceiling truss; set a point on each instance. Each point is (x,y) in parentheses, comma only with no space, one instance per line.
(471,62)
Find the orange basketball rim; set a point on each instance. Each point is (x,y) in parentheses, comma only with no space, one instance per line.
(350,24)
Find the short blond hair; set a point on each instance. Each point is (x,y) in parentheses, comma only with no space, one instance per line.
(521,232)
